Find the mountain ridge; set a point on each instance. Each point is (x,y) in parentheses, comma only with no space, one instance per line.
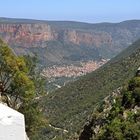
(102,40)
(2,19)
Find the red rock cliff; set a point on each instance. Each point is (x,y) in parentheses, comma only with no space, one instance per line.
(26,34)
(35,35)
(79,37)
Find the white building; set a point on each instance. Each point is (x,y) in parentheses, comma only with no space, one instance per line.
(12,124)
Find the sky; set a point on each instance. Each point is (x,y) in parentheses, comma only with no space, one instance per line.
(92,11)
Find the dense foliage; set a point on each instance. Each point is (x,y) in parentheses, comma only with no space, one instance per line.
(117,116)
(15,85)
(20,87)
(70,106)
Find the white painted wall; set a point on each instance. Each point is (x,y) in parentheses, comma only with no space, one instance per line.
(12,124)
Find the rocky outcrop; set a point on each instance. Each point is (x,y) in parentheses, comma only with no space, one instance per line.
(87,38)
(67,42)
(106,37)
(92,128)
(35,35)
(26,35)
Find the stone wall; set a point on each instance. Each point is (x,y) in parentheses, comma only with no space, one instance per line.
(12,124)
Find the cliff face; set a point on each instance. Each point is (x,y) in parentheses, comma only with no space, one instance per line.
(26,34)
(81,37)
(68,42)
(34,35)
(96,36)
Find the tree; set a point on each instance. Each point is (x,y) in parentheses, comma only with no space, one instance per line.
(15,85)
(20,87)
(34,108)
(35,76)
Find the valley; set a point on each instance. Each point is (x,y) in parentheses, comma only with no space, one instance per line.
(65,43)
(65,49)
(58,76)
(82,62)
(71,106)
(72,70)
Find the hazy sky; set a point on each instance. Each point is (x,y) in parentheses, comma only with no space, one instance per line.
(75,10)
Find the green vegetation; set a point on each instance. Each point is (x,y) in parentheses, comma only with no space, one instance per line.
(20,86)
(14,80)
(60,53)
(70,106)
(121,122)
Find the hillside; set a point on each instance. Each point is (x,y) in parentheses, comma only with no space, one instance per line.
(68,45)
(67,42)
(117,116)
(70,106)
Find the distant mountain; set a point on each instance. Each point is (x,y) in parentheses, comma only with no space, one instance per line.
(67,42)
(72,105)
